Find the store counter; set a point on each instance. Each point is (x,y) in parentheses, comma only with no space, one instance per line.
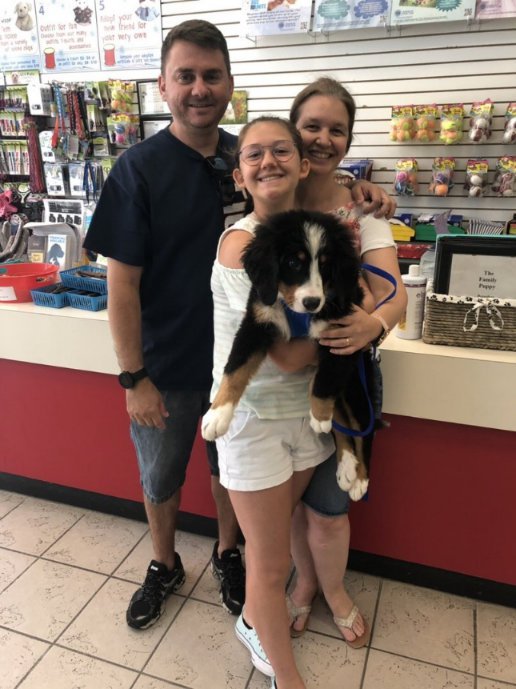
(443,474)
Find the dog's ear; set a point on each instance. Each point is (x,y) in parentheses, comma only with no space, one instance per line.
(261,264)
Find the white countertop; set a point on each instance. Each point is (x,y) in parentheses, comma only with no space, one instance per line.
(451,384)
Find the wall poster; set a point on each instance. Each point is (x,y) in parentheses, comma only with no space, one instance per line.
(67,35)
(420,11)
(129,33)
(332,15)
(491,9)
(271,17)
(19,48)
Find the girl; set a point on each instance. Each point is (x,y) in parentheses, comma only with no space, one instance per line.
(324,114)
(268,455)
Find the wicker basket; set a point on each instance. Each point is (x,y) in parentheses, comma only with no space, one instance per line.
(488,323)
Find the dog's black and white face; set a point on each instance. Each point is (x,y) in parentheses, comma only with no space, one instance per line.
(305,258)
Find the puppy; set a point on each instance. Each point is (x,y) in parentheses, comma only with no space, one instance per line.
(23,20)
(308,263)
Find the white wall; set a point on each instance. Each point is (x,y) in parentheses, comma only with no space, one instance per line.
(418,64)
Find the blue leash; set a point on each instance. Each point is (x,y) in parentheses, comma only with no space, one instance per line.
(361,365)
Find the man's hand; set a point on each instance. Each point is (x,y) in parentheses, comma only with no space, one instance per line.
(372,199)
(145,405)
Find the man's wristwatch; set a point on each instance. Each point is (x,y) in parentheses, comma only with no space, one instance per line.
(128,380)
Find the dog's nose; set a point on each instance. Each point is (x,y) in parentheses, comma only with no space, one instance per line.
(311,303)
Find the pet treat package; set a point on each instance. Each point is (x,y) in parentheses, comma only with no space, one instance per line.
(476,177)
(403,127)
(405,182)
(442,175)
(426,122)
(123,129)
(121,95)
(509,134)
(481,121)
(504,183)
(452,117)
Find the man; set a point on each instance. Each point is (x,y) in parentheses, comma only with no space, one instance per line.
(158,221)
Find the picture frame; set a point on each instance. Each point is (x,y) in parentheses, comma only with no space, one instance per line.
(480,266)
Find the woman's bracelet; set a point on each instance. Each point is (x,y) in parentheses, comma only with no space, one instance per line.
(385,329)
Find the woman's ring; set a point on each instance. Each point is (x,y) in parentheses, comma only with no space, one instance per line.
(348,341)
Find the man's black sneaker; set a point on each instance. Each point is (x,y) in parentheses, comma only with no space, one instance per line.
(148,601)
(229,570)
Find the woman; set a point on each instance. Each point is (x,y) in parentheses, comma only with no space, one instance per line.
(324,114)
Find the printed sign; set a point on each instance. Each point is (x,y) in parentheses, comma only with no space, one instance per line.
(19,48)
(67,35)
(129,33)
(491,9)
(418,11)
(483,276)
(265,18)
(331,15)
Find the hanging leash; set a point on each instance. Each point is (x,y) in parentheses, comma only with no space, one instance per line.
(361,363)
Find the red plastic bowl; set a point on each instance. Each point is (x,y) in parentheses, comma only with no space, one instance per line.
(17,279)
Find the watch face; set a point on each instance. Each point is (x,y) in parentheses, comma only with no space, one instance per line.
(126,380)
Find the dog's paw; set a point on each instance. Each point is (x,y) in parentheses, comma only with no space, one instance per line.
(323,426)
(215,422)
(358,489)
(347,470)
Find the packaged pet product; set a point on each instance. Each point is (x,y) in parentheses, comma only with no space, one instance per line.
(476,177)
(121,95)
(481,121)
(451,124)
(55,179)
(442,175)
(410,326)
(509,134)
(123,129)
(405,182)
(425,118)
(403,127)
(504,183)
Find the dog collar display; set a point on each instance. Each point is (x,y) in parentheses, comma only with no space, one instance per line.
(128,380)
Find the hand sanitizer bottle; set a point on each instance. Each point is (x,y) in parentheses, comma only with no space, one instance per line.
(410,326)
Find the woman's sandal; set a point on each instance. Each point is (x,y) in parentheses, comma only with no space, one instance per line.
(294,612)
(347,623)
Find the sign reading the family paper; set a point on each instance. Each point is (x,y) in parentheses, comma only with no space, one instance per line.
(129,33)
(270,17)
(19,48)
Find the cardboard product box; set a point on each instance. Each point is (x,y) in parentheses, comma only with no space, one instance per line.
(40,98)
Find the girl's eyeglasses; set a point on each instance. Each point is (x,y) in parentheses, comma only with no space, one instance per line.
(282,151)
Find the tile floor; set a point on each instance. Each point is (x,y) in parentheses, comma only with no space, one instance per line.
(66,575)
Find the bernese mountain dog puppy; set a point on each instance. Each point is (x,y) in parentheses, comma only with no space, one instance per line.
(305,262)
